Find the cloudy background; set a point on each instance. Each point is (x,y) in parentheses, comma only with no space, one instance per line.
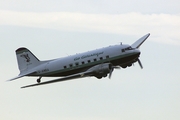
(52,29)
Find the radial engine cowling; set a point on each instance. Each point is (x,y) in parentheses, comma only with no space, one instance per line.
(101,70)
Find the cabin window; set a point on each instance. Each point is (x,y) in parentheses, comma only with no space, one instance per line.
(70,65)
(65,67)
(89,61)
(82,62)
(101,58)
(77,64)
(123,50)
(107,56)
(95,59)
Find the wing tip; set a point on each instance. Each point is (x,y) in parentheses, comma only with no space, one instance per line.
(148,34)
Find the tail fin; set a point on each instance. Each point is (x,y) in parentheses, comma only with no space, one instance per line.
(26,59)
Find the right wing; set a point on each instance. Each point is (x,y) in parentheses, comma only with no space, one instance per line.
(140,41)
(70,77)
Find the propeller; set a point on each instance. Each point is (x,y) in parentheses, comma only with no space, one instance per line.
(138,43)
(111,71)
(118,67)
(140,64)
(135,45)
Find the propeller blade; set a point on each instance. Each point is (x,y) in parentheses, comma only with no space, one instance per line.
(113,67)
(110,73)
(140,64)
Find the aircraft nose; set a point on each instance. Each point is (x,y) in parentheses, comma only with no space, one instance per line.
(137,51)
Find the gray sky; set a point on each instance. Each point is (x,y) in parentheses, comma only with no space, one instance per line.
(60,28)
(92,6)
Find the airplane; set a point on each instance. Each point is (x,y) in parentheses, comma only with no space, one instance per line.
(98,63)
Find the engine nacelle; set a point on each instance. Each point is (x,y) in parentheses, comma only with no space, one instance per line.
(101,70)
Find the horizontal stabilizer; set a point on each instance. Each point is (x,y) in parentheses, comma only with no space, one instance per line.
(138,43)
(22,75)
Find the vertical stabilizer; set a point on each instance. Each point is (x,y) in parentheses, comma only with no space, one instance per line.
(26,59)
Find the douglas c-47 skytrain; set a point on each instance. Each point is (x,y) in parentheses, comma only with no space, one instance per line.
(98,63)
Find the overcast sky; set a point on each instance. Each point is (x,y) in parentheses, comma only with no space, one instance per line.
(52,29)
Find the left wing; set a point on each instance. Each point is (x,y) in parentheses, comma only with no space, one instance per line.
(70,77)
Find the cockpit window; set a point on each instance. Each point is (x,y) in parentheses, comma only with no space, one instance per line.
(128,48)
(123,50)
